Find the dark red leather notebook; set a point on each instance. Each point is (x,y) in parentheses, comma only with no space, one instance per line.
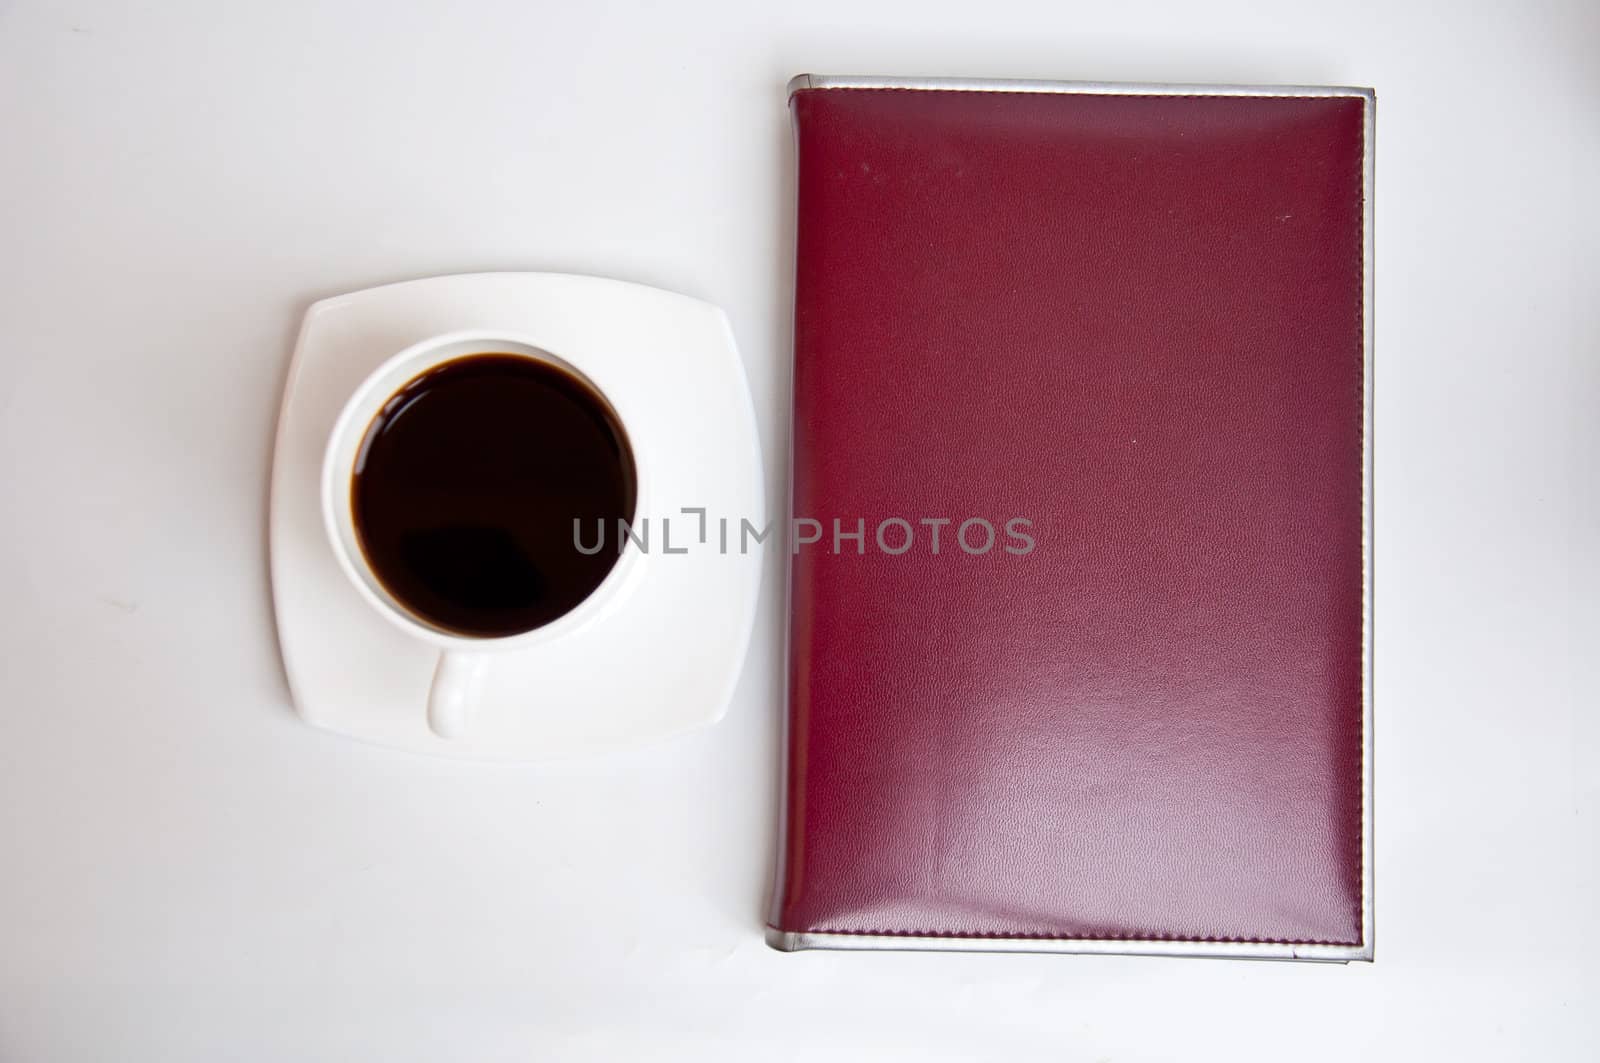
(1079,598)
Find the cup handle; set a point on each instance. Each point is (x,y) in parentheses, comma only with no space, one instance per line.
(457,683)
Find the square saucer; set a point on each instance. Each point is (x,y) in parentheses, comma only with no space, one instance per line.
(667,659)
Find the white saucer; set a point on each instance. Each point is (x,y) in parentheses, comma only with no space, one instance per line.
(663,662)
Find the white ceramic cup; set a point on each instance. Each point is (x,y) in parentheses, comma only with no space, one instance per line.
(464,660)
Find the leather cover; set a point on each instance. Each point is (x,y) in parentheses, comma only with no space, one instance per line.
(1135,321)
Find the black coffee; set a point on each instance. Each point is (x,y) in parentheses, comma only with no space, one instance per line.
(467,484)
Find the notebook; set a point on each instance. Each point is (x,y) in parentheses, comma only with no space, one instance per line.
(1080,587)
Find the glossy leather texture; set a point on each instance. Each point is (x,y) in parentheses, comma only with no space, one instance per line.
(1136,322)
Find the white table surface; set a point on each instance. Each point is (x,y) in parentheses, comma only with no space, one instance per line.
(189,873)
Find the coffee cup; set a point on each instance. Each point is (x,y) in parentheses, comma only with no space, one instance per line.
(464,488)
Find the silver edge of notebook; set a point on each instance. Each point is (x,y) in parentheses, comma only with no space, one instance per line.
(801,940)
(795,941)
(1092,88)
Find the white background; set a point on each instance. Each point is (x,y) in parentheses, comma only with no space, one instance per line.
(189,873)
